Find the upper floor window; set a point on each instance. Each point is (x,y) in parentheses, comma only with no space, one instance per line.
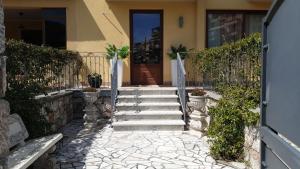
(229,26)
(39,26)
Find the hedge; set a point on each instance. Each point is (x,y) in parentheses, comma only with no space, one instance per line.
(235,63)
(28,74)
(234,71)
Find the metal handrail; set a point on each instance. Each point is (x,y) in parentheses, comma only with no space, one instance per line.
(114,84)
(181,74)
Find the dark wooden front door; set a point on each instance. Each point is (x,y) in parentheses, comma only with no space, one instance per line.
(146,39)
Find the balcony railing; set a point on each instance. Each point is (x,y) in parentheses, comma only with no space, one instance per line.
(73,77)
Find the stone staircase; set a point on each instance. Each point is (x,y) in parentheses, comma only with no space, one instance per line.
(148,109)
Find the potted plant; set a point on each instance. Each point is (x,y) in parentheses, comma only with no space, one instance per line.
(111,50)
(198,115)
(123,53)
(182,50)
(199,96)
(95,80)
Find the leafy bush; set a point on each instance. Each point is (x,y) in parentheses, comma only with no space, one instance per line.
(28,74)
(236,63)
(225,132)
(234,70)
(229,118)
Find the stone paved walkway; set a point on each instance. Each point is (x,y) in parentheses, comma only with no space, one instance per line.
(104,148)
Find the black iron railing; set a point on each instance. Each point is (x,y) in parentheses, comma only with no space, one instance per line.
(76,76)
(181,85)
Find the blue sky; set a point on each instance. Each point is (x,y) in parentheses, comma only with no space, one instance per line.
(143,24)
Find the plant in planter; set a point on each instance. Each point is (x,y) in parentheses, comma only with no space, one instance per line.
(95,80)
(198,98)
(110,51)
(182,50)
(123,53)
(89,89)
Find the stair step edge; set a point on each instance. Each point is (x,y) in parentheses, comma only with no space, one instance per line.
(149,104)
(150,123)
(148,113)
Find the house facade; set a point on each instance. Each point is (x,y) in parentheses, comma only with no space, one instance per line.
(149,27)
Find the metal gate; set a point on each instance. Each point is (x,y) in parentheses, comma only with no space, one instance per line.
(280,116)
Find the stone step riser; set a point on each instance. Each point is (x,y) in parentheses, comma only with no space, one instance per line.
(147,100)
(148,108)
(157,109)
(147,117)
(149,128)
(148,92)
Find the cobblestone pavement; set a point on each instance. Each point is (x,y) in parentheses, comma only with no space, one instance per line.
(104,148)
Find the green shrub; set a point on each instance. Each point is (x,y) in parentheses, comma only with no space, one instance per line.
(226,132)
(236,63)
(234,70)
(229,118)
(28,69)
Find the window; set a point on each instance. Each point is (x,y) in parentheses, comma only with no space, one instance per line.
(229,26)
(55,27)
(39,26)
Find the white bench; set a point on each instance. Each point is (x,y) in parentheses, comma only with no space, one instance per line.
(25,154)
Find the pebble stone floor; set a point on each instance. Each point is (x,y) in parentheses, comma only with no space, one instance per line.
(107,149)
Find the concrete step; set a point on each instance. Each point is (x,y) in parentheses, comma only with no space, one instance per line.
(147,98)
(166,125)
(162,106)
(148,115)
(148,91)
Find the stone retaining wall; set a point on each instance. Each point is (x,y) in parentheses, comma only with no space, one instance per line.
(63,107)
(104,103)
(4,113)
(78,104)
(252,147)
(4,105)
(252,137)
(58,109)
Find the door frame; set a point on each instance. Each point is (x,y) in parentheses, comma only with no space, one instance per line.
(147,11)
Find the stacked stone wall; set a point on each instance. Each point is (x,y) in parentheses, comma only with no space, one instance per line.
(4,105)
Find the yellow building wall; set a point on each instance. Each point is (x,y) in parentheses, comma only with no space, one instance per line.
(92,24)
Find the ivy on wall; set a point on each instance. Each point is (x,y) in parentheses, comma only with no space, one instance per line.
(30,71)
(234,71)
(236,63)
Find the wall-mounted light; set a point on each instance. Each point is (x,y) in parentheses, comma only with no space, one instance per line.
(180,21)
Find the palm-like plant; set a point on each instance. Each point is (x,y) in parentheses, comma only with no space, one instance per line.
(180,49)
(111,51)
(123,52)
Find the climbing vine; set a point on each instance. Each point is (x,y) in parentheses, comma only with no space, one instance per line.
(235,63)
(30,71)
(234,71)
